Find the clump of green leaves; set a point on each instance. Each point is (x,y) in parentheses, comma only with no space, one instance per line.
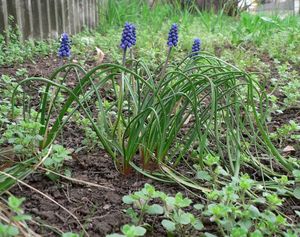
(24,137)
(7,85)
(56,160)
(14,50)
(130,231)
(236,215)
(288,83)
(70,234)
(286,131)
(233,213)
(141,201)
(175,218)
(12,215)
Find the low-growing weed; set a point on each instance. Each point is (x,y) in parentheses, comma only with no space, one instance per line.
(130,231)
(228,208)
(24,137)
(174,218)
(286,131)
(56,160)
(13,218)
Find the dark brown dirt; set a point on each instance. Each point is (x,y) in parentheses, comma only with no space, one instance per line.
(292,113)
(279,120)
(100,210)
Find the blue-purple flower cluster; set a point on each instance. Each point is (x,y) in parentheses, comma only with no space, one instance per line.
(129,36)
(196,47)
(173,36)
(133,34)
(65,46)
(129,39)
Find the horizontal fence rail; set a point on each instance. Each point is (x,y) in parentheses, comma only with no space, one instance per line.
(42,19)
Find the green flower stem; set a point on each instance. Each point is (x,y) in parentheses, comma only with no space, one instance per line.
(163,70)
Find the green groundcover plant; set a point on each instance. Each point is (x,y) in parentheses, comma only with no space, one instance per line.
(226,209)
(13,220)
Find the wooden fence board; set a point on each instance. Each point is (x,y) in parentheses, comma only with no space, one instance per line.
(42,19)
(25,19)
(2,23)
(37,34)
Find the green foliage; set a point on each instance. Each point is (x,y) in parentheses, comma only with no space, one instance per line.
(291,90)
(232,214)
(7,86)
(69,234)
(130,231)
(56,159)
(254,28)
(237,216)
(288,84)
(90,140)
(149,111)
(8,230)
(285,131)
(175,218)
(12,216)
(141,200)
(24,137)
(13,50)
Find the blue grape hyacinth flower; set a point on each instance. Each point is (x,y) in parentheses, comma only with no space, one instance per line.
(133,34)
(173,36)
(128,36)
(65,46)
(196,47)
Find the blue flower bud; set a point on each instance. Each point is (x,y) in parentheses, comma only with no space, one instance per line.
(173,36)
(65,46)
(196,47)
(133,35)
(128,36)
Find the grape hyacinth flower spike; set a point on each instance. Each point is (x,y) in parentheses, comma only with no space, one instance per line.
(133,34)
(196,47)
(128,38)
(173,36)
(172,42)
(133,37)
(65,46)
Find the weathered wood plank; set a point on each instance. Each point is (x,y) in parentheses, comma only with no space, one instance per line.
(23,18)
(37,34)
(44,26)
(72,16)
(12,12)
(41,19)
(60,21)
(2,17)
(82,14)
(89,16)
(77,18)
(66,16)
(53,18)
(86,13)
